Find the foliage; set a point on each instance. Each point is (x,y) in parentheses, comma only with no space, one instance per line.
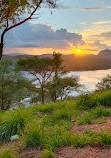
(12,10)
(12,126)
(88,101)
(11,14)
(62,87)
(13,86)
(47,153)
(41,69)
(57,64)
(7,153)
(48,73)
(105,84)
(48,126)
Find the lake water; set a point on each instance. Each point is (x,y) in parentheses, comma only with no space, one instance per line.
(90,78)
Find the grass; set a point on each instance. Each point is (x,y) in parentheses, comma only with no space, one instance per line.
(89,101)
(48,126)
(13,125)
(7,153)
(47,153)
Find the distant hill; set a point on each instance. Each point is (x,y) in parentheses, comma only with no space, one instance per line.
(86,62)
(74,62)
(105,53)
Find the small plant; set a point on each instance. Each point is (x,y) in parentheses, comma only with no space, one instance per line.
(47,153)
(7,154)
(86,118)
(106,138)
(33,139)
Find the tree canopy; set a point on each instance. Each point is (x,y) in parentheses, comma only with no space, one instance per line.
(12,11)
(104,84)
(13,86)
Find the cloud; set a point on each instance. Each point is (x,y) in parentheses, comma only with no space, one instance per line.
(102,22)
(106,35)
(62,8)
(41,36)
(94,9)
(99,45)
(91,9)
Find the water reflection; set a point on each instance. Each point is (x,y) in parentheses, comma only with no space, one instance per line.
(90,78)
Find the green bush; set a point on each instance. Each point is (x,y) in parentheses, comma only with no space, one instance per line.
(89,101)
(47,153)
(101,111)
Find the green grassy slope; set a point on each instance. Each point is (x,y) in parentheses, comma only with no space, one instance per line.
(48,126)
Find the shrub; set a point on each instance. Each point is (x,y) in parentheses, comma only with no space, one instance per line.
(101,111)
(88,101)
(47,153)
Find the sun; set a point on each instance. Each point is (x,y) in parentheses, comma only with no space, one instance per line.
(79,50)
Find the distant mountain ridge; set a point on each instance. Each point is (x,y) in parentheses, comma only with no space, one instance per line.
(73,62)
(105,53)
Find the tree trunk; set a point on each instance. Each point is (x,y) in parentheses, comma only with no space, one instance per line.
(2,96)
(42,95)
(1,47)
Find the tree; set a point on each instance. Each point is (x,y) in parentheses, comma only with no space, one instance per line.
(62,87)
(48,74)
(57,64)
(11,12)
(13,87)
(105,84)
(41,69)
(58,71)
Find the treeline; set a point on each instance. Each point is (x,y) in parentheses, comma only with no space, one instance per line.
(48,73)
(49,82)
(72,62)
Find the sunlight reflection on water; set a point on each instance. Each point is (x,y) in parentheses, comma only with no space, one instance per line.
(90,78)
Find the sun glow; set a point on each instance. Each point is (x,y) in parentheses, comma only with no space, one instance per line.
(79,50)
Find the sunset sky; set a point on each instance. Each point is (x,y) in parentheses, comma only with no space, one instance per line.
(76,26)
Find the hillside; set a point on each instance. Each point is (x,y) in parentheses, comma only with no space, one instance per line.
(74,62)
(86,62)
(62,129)
(105,53)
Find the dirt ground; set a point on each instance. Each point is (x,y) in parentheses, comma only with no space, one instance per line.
(86,152)
(95,127)
(102,151)
(30,153)
(90,151)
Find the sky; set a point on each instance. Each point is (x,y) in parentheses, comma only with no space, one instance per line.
(74,27)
